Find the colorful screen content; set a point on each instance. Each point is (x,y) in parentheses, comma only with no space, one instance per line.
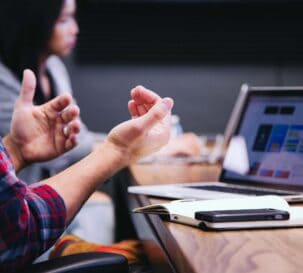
(272,128)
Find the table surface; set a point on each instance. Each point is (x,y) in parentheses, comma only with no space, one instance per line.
(174,247)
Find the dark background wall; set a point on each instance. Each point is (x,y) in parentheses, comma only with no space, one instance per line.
(198,52)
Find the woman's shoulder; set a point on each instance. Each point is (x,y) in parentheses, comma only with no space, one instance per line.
(56,66)
(59,73)
(55,62)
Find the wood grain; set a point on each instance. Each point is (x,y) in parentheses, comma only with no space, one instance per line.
(279,250)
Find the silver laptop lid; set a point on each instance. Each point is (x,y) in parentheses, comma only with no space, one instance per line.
(266,147)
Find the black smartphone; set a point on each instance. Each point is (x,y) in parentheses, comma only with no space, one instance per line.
(221,216)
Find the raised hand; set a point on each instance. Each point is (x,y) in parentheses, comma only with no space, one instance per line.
(149,129)
(46,131)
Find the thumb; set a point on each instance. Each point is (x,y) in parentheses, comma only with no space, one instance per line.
(28,87)
(157,113)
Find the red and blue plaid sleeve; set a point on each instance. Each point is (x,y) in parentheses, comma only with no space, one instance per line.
(31,218)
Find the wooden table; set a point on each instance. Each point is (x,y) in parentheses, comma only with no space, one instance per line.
(174,247)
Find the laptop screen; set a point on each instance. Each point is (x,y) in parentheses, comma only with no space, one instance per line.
(267,147)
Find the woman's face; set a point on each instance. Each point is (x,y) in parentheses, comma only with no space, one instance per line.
(64,35)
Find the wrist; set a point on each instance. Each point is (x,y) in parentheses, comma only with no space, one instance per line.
(117,155)
(14,152)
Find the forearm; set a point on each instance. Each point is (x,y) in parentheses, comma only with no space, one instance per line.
(79,181)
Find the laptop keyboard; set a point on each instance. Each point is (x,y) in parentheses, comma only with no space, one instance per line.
(238,190)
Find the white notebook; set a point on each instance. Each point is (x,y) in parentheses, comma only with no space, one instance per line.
(183,211)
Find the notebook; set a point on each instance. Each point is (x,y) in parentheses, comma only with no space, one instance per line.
(264,153)
(184,212)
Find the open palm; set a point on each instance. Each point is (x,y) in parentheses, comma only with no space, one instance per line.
(43,132)
(149,129)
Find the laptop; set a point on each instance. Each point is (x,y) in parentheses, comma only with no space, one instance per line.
(264,154)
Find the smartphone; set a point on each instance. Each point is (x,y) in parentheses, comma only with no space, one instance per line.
(221,216)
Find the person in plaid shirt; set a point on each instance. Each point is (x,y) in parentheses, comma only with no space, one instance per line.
(33,217)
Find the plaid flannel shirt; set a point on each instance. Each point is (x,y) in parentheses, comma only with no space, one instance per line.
(31,217)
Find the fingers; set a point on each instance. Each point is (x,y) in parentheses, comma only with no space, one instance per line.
(71,132)
(142,95)
(132,108)
(66,122)
(67,133)
(71,142)
(142,100)
(137,110)
(28,87)
(56,105)
(143,108)
(70,113)
(157,113)
(73,128)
